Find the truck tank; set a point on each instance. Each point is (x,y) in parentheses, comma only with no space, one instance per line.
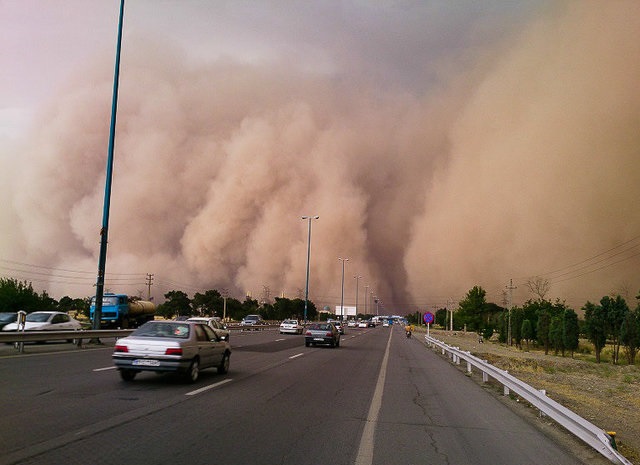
(141,307)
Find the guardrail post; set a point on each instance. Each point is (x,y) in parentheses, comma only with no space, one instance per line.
(505,391)
(485,377)
(468,367)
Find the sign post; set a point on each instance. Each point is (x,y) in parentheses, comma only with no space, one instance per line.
(428,319)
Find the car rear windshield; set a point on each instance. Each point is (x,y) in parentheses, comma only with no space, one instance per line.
(38,317)
(170,330)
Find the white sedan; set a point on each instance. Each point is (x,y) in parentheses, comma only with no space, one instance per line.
(291,327)
(47,321)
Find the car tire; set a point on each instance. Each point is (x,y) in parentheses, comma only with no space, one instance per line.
(128,375)
(194,371)
(307,343)
(223,368)
(338,343)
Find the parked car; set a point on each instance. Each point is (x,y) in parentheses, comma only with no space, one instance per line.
(322,333)
(352,324)
(252,322)
(183,347)
(362,324)
(214,323)
(47,321)
(7,317)
(291,327)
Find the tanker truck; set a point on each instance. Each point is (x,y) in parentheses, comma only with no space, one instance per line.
(122,311)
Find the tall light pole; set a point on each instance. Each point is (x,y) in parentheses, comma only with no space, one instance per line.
(342,295)
(366,297)
(102,258)
(306,289)
(357,278)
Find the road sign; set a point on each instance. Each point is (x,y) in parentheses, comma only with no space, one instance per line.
(428,318)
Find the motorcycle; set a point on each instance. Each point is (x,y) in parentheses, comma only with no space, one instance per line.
(408,334)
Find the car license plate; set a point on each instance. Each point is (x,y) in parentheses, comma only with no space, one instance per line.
(318,339)
(146,363)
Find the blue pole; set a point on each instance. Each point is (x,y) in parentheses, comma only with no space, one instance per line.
(102,260)
(306,291)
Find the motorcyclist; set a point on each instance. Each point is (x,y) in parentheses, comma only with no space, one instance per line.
(409,330)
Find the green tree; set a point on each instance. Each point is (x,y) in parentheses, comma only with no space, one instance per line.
(208,304)
(571,331)
(615,310)
(595,318)
(177,304)
(630,334)
(556,330)
(473,309)
(18,295)
(543,327)
(527,331)
(442,318)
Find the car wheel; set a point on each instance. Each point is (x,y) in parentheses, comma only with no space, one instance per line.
(224,365)
(127,375)
(338,343)
(307,343)
(194,371)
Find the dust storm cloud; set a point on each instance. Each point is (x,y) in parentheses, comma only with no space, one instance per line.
(508,159)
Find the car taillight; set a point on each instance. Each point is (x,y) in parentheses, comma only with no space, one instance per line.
(308,333)
(120,348)
(173,351)
(329,334)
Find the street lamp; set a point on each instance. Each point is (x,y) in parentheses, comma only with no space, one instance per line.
(357,278)
(306,289)
(342,295)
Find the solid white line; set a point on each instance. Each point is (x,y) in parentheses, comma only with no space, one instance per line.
(104,369)
(296,356)
(206,388)
(365,451)
(278,340)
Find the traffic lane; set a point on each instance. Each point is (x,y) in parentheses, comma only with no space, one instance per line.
(81,389)
(309,410)
(433,413)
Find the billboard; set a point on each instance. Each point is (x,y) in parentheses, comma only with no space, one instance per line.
(348,311)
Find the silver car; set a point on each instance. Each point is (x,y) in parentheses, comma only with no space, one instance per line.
(183,347)
(322,333)
(214,323)
(291,327)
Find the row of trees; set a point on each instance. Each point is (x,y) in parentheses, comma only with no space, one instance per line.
(212,303)
(552,325)
(19,295)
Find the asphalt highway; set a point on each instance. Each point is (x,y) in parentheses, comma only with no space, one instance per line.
(378,399)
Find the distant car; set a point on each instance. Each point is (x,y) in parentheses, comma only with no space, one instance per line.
(362,324)
(339,325)
(371,324)
(47,321)
(7,318)
(385,323)
(183,347)
(252,322)
(291,327)
(215,324)
(352,324)
(322,333)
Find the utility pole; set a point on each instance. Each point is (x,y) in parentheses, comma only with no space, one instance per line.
(510,287)
(149,280)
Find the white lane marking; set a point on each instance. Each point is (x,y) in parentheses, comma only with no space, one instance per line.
(365,451)
(278,340)
(296,356)
(206,388)
(104,369)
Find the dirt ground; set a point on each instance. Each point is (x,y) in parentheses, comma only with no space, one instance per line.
(605,394)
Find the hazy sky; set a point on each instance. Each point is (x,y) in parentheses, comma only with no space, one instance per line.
(443,144)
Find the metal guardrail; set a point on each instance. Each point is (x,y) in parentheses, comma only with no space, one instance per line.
(37,336)
(583,429)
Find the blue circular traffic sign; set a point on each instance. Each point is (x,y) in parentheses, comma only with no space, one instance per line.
(428,318)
